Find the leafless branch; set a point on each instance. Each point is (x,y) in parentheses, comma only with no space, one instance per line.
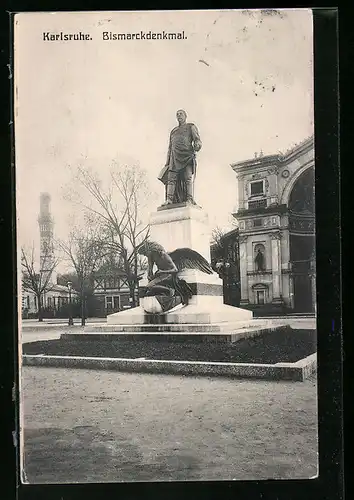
(119,210)
(38,279)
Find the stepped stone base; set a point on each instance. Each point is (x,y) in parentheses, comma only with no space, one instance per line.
(207,310)
(171,333)
(205,307)
(186,327)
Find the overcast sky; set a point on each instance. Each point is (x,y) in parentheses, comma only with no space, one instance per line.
(116,100)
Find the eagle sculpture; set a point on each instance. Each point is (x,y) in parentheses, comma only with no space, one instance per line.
(165,284)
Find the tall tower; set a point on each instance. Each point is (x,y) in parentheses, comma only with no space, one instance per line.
(46,224)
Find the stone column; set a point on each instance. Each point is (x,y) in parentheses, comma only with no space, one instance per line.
(291,291)
(313,284)
(241,190)
(243,269)
(276,266)
(313,290)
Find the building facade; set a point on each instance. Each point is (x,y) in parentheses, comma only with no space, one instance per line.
(52,301)
(112,292)
(111,287)
(276,217)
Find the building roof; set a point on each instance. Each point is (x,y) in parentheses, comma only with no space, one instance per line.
(62,288)
(276,159)
(109,271)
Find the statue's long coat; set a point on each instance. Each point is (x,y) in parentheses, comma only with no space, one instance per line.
(184,141)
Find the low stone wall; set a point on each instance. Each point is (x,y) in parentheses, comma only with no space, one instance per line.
(298,371)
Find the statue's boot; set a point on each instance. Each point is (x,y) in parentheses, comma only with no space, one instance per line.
(170,191)
(189,193)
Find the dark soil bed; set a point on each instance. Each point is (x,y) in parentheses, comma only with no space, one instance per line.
(270,348)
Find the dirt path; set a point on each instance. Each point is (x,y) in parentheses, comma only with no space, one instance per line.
(87,426)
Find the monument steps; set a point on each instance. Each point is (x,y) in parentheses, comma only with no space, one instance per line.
(156,333)
(184,327)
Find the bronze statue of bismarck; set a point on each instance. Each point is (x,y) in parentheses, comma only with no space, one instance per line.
(178,173)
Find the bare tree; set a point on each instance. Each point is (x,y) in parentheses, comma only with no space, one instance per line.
(217,236)
(38,280)
(85,250)
(219,232)
(220,244)
(119,210)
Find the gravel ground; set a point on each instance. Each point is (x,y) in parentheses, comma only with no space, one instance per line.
(88,426)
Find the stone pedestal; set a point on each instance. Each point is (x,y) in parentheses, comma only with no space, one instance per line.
(207,304)
(181,225)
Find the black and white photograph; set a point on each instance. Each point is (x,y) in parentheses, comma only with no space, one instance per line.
(166,256)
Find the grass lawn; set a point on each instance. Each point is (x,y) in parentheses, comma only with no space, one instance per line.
(272,347)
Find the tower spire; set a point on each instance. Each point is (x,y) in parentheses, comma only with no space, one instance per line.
(46,224)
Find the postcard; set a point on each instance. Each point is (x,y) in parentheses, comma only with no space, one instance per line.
(165,197)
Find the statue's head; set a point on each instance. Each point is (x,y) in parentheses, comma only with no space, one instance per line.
(142,249)
(181,116)
(147,246)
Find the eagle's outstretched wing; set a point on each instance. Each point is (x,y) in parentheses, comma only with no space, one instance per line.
(186,258)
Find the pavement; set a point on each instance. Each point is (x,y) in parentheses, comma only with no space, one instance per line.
(33,330)
(59,321)
(64,321)
(87,426)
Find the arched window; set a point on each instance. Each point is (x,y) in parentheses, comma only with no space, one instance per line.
(259,257)
(302,196)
